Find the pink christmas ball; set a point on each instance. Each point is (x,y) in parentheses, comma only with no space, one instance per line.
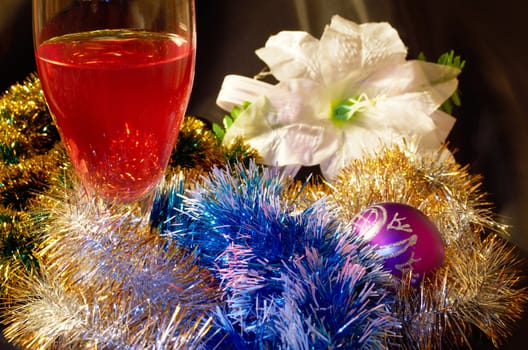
(404,237)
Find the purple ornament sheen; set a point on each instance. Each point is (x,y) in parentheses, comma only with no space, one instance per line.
(404,237)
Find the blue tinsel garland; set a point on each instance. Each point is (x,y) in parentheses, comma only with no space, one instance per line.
(290,278)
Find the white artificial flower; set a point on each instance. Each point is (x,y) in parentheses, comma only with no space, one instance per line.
(344,96)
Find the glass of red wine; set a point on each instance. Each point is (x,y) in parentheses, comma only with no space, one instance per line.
(117,77)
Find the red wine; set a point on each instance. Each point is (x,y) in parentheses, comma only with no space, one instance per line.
(118,99)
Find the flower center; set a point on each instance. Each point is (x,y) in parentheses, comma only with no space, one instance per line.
(350,108)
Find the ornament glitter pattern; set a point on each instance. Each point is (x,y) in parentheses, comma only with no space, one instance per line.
(341,97)
(407,240)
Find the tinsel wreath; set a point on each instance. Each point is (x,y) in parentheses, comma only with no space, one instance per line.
(32,160)
(238,256)
(291,274)
(43,206)
(31,155)
(479,285)
(107,282)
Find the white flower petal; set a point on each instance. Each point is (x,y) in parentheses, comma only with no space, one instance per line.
(444,123)
(251,122)
(236,90)
(407,116)
(343,26)
(404,115)
(298,100)
(278,143)
(382,45)
(439,82)
(355,143)
(294,144)
(390,121)
(290,55)
(339,50)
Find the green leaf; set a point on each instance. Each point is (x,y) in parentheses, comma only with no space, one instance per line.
(421,56)
(451,60)
(218,131)
(228,120)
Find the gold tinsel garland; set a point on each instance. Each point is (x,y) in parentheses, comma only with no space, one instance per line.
(482,270)
(31,156)
(33,160)
(99,268)
(36,188)
(54,237)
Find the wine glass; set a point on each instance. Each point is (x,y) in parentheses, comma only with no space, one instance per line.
(117,77)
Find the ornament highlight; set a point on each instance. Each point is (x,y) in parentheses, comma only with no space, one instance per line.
(404,236)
